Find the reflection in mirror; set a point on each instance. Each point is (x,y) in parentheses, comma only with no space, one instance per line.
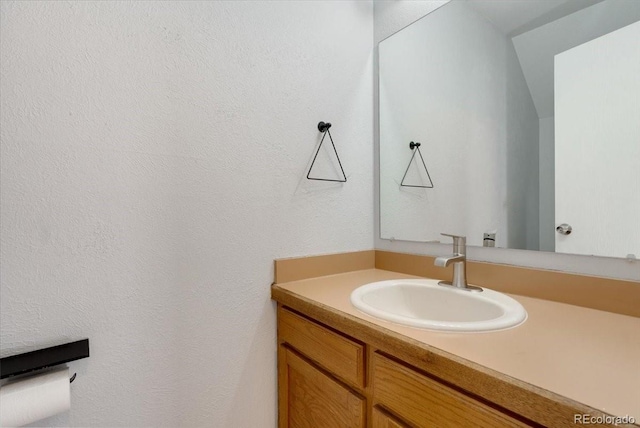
(528,117)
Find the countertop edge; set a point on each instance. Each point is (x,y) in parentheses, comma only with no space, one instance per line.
(530,401)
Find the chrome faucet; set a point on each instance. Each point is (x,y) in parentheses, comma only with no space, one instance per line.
(459,260)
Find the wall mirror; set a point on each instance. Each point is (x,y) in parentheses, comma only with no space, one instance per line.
(528,118)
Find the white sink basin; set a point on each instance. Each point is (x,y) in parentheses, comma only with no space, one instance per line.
(425,304)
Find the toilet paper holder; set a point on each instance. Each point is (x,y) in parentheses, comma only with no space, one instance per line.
(44,358)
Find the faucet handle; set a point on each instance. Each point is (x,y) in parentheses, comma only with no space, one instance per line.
(459,243)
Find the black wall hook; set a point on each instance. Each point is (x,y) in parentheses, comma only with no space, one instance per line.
(416,146)
(324,128)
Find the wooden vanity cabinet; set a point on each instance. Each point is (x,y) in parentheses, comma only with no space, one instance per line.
(328,379)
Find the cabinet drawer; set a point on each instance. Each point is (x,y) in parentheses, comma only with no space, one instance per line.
(339,355)
(425,402)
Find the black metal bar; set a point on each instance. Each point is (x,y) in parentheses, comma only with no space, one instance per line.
(43,358)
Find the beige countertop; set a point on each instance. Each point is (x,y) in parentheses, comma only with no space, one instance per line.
(587,355)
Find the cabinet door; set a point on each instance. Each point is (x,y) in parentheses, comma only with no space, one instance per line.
(381,419)
(311,399)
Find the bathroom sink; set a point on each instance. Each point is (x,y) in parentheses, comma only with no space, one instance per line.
(424,304)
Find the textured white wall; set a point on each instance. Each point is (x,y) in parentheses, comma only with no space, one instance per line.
(153,163)
(389,19)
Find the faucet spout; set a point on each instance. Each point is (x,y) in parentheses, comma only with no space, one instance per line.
(459,261)
(444,261)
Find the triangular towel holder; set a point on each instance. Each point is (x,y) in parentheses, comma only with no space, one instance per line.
(324,128)
(416,146)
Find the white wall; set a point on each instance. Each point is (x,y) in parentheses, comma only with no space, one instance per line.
(537,47)
(453,82)
(597,266)
(391,16)
(547,185)
(153,156)
(521,140)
